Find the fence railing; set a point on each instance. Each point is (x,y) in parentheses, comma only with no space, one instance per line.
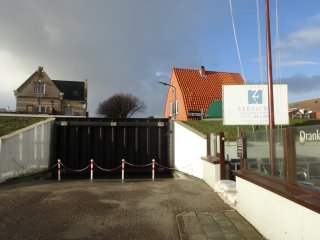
(92,165)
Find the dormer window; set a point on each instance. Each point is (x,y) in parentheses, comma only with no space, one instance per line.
(39,88)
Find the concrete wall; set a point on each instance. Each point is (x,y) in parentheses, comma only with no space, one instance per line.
(189,148)
(275,217)
(211,173)
(26,151)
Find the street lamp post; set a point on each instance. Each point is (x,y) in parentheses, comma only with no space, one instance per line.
(175,97)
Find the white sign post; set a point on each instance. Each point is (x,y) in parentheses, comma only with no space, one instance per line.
(248,104)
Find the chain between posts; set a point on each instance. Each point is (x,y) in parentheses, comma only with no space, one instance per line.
(122,166)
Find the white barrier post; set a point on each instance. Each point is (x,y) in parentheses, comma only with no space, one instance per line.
(152,169)
(59,173)
(91,170)
(122,171)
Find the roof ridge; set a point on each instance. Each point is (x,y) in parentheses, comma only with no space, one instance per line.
(67,81)
(188,69)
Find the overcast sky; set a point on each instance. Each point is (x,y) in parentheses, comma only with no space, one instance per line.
(130,45)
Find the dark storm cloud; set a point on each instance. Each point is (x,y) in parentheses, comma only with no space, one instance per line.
(299,84)
(120,46)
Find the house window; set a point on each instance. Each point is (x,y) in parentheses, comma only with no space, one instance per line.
(39,88)
(174,108)
(68,111)
(39,109)
(30,108)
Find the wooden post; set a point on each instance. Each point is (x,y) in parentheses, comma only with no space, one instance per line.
(244,151)
(289,162)
(222,160)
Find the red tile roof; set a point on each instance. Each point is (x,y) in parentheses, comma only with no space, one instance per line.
(198,92)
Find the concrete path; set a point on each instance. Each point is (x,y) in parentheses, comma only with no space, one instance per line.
(109,209)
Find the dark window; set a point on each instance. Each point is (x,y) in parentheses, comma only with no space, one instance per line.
(39,88)
(68,111)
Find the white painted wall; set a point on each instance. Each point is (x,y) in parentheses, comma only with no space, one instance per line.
(189,147)
(25,151)
(211,173)
(275,217)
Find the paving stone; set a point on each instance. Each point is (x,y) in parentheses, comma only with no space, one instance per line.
(214,234)
(219,216)
(210,228)
(234,236)
(196,229)
(242,225)
(233,215)
(203,214)
(251,234)
(190,220)
(197,237)
(222,238)
(225,223)
(207,221)
(229,229)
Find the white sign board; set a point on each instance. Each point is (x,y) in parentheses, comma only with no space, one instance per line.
(248,104)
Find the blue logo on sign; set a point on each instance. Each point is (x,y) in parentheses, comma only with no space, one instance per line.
(254,96)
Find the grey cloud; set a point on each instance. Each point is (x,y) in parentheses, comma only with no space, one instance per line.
(298,84)
(118,45)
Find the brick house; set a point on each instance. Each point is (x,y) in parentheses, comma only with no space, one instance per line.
(308,109)
(40,94)
(195,90)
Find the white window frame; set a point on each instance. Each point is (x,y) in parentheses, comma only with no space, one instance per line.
(176,107)
(173,109)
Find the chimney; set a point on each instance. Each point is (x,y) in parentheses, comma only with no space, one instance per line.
(40,73)
(202,71)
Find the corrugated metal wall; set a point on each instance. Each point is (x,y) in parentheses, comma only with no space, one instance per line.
(108,141)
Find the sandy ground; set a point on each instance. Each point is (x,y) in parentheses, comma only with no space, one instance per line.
(102,209)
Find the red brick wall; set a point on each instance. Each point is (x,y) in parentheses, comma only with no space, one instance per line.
(182,115)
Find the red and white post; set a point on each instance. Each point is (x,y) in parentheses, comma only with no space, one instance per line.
(153,169)
(59,170)
(91,170)
(122,171)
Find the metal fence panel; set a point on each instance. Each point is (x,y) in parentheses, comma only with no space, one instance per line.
(108,141)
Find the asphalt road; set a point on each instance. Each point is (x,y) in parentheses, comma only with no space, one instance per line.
(102,209)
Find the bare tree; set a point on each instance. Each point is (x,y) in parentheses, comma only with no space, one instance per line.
(121,105)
